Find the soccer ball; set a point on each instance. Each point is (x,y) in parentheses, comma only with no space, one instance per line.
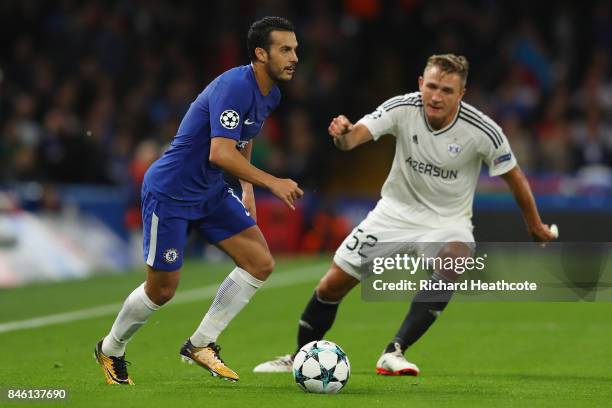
(321,367)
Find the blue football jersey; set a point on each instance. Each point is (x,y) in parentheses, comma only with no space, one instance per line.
(231,106)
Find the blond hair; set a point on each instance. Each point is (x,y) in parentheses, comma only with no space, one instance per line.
(450,63)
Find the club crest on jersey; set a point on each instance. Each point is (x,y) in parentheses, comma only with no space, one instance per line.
(170,255)
(229,119)
(454,149)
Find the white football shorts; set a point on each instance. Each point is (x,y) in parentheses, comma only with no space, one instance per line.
(382,233)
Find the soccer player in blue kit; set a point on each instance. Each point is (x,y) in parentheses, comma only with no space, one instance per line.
(185,190)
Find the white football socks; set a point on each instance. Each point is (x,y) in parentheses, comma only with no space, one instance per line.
(135,311)
(233,295)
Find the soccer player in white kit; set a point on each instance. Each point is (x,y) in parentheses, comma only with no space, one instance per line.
(441,143)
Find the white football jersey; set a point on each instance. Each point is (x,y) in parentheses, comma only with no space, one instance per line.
(435,172)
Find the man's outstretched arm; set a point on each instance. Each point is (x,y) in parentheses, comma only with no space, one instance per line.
(519,186)
(347,136)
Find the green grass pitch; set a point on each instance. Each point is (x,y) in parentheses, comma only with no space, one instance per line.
(477,354)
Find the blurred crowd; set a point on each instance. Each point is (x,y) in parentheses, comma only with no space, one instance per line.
(93,91)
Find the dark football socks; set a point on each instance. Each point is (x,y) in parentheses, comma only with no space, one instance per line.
(425,308)
(316,320)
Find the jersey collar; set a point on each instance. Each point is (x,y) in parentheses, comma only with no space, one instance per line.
(445,129)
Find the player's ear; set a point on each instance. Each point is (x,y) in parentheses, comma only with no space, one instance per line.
(420,82)
(261,54)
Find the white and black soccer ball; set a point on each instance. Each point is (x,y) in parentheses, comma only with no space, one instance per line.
(321,367)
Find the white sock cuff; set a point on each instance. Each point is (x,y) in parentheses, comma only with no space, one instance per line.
(240,275)
(140,291)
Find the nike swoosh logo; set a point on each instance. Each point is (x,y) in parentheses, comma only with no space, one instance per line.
(249,122)
(113,377)
(111,374)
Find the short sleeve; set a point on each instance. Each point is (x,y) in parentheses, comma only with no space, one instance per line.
(229,104)
(380,122)
(496,151)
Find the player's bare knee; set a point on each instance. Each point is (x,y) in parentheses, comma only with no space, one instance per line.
(329,291)
(335,285)
(165,294)
(453,250)
(160,294)
(261,268)
(267,266)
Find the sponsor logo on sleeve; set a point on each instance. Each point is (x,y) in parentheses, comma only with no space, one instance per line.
(242,143)
(502,158)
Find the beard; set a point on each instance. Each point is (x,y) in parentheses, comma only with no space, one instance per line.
(279,74)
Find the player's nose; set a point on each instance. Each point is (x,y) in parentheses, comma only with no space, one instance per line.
(294,58)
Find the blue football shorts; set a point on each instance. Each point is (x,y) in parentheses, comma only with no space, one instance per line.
(166,226)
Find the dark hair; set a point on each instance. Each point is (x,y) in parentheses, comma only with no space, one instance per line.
(259,33)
